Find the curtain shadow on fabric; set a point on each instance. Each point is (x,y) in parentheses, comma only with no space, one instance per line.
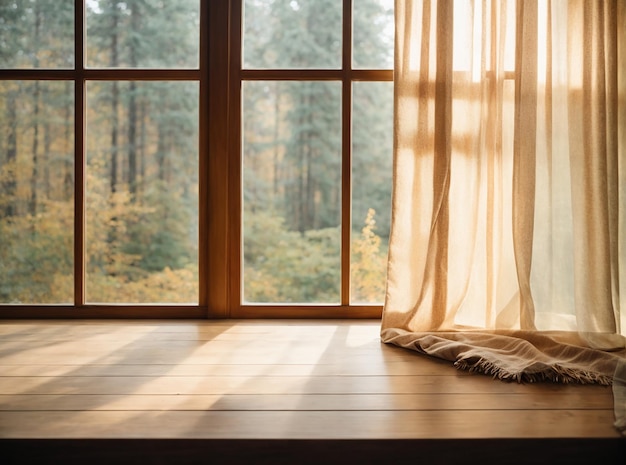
(507,252)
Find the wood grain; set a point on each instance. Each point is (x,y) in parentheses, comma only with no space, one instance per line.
(305,402)
(264,380)
(432,424)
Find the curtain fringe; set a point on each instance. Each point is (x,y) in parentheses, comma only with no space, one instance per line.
(555,373)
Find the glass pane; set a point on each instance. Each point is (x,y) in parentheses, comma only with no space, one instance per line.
(142,192)
(372,156)
(292,34)
(143,33)
(291,191)
(373,32)
(36,192)
(37,34)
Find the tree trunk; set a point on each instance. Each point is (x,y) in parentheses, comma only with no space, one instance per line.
(132,111)
(47,143)
(160,155)
(114,62)
(132,142)
(68,166)
(142,148)
(10,186)
(300,206)
(276,137)
(32,204)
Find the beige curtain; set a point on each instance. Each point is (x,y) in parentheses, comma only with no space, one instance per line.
(508,245)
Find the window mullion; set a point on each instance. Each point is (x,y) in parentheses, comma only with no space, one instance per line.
(79,154)
(216,142)
(346,171)
(203,201)
(233,164)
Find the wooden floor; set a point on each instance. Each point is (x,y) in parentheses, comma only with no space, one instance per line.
(274,392)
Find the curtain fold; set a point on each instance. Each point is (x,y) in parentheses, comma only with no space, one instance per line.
(507,251)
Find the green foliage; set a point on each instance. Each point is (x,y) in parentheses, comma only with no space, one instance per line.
(289,266)
(372,131)
(139,235)
(368,264)
(36,33)
(293,33)
(157,235)
(144,33)
(373,33)
(292,153)
(142,163)
(36,256)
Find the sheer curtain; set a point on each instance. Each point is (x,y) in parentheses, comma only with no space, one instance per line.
(507,252)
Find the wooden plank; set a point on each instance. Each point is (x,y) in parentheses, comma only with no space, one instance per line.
(189,332)
(194,385)
(264,379)
(311,425)
(183,356)
(173,325)
(294,402)
(131,346)
(253,349)
(172,354)
(350,367)
(263,338)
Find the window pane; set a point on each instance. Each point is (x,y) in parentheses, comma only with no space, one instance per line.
(142,192)
(372,155)
(292,34)
(36,192)
(373,31)
(143,33)
(291,191)
(37,34)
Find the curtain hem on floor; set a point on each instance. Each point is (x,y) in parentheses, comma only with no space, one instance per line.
(517,355)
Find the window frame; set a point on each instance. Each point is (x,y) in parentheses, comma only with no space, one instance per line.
(220,77)
(346,75)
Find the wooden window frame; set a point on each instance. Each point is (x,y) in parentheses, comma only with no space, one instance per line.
(346,75)
(220,77)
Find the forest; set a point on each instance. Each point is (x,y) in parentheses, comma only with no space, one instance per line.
(141,176)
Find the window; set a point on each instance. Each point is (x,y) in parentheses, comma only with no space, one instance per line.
(194,158)
(316,151)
